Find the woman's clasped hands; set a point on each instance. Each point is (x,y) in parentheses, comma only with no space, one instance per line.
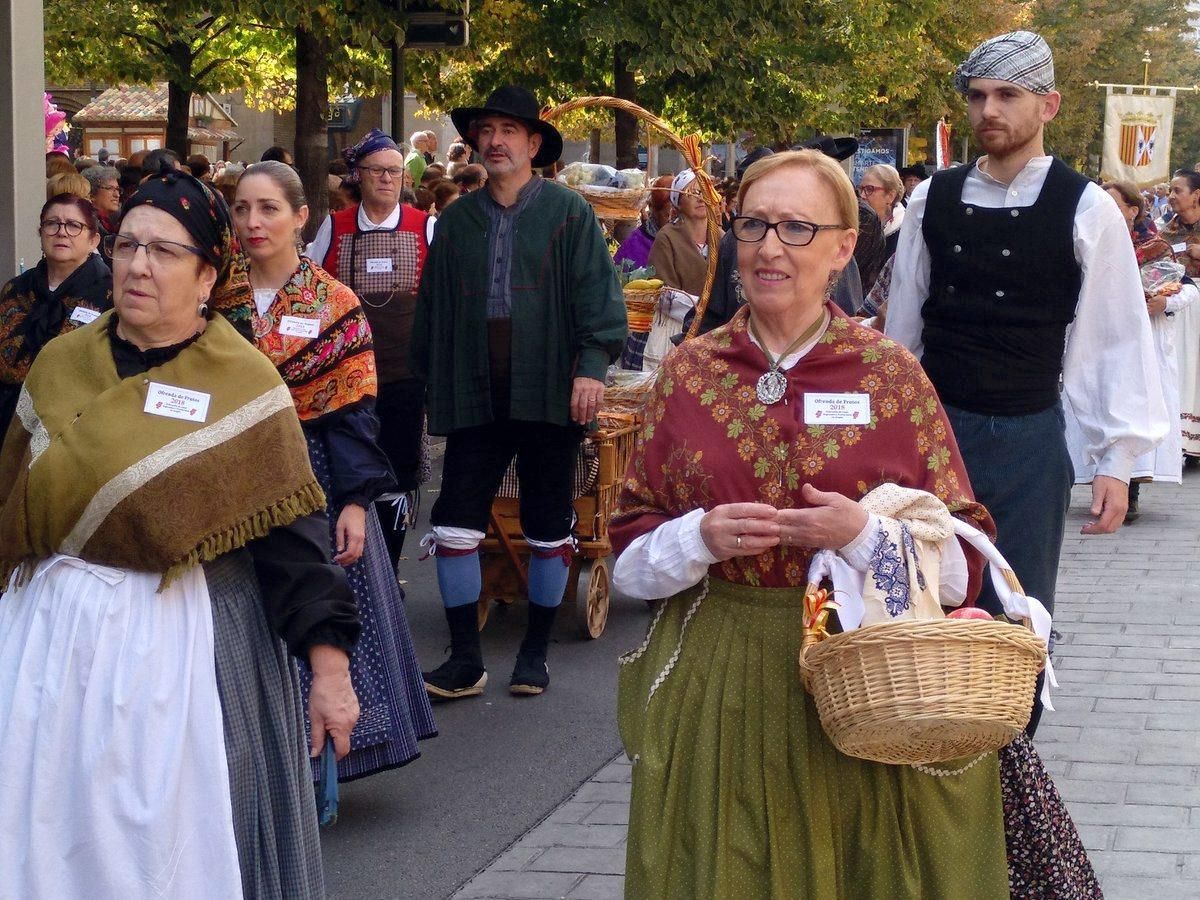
(830,521)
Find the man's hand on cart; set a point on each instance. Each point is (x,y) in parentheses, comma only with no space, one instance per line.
(586,397)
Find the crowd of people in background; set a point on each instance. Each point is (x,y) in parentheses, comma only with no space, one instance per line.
(476,298)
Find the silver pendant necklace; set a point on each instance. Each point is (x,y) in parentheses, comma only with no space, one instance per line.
(772,384)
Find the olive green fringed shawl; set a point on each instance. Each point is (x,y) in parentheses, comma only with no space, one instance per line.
(85,472)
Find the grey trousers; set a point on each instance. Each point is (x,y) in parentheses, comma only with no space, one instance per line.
(1021,471)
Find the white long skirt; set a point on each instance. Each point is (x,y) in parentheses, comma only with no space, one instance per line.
(1165,462)
(1187,351)
(114,781)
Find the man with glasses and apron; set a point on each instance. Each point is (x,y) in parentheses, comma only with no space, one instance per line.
(378,248)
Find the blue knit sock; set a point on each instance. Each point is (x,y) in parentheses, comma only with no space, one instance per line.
(459,579)
(547,579)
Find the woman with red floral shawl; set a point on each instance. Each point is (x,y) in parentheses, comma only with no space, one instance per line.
(313,329)
(759,440)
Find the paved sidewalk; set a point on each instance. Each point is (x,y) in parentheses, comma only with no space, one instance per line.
(1124,744)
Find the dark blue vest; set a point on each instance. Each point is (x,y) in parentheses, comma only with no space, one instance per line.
(1003,287)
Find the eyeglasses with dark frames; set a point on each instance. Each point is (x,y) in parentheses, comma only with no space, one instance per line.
(160,253)
(58,226)
(793,232)
(396,172)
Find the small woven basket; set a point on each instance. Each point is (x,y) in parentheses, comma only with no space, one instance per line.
(624,204)
(627,401)
(926,691)
(640,307)
(609,204)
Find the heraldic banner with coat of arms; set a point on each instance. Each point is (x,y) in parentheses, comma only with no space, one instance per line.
(1137,138)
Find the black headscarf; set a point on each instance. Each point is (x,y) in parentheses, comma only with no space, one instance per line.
(203,212)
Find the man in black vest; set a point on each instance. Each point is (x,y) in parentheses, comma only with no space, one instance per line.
(995,261)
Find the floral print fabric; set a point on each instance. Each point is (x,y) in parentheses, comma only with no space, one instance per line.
(334,370)
(708,440)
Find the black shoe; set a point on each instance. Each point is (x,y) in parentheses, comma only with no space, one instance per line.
(1132,514)
(455,679)
(463,674)
(531,675)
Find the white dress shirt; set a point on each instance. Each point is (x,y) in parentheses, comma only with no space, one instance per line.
(673,556)
(1110,370)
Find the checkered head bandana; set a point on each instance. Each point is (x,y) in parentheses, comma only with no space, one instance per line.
(1020,57)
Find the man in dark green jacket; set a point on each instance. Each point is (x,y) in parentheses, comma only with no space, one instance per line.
(518,318)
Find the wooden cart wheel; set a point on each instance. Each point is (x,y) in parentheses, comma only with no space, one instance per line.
(591,598)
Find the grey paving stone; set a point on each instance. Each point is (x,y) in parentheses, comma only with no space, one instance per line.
(572,811)
(1089,752)
(1166,794)
(615,772)
(589,861)
(608,814)
(519,885)
(1162,775)
(557,834)
(1158,840)
(599,887)
(516,857)
(1095,792)
(1128,814)
(1168,756)
(603,792)
(1122,691)
(1057,734)
(1125,863)
(1147,889)
(1097,837)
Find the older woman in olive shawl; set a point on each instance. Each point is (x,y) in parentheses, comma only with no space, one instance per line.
(157,579)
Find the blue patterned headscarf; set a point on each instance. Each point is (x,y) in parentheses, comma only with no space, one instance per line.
(373,141)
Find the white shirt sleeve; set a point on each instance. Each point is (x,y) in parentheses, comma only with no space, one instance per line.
(665,561)
(1187,295)
(673,557)
(1110,370)
(319,248)
(910,277)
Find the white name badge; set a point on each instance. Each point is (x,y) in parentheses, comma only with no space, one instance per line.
(83,315)
(1181,247)
(837,409)
(300,326)
(176,403)
(379,264)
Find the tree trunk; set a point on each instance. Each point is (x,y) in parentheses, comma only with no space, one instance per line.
(594,146)
(312,115)
(179,97)
(626,124)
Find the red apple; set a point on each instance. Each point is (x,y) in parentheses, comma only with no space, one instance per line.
(971,612)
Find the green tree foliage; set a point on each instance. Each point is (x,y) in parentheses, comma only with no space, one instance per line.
(1104,41)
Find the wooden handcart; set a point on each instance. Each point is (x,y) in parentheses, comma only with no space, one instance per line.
(505,555)
(504,552)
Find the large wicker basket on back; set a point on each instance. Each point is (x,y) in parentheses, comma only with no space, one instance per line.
(919,692)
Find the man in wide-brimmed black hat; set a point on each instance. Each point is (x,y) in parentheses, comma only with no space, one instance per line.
(519,316)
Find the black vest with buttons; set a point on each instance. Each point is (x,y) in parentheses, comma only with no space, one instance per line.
(1003,286)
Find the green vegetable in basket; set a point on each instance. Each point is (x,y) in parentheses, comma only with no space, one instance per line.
(628,272)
